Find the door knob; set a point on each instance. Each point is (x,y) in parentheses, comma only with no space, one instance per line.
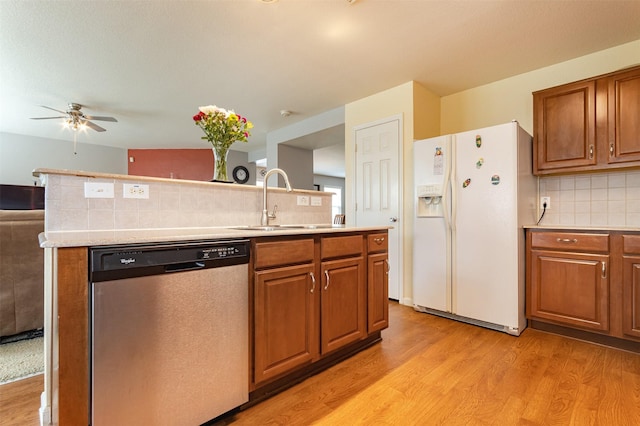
(393,219)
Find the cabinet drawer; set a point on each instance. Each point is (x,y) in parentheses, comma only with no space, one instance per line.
(351,245)
(278,253)
(570,241)
(631,244)
(377,243)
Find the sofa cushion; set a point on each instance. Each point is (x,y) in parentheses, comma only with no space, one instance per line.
(21,271)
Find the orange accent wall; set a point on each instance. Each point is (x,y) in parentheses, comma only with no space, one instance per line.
(190,164)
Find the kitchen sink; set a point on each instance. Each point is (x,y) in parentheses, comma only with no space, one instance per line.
(280,227)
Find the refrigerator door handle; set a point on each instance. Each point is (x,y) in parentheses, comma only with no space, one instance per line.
(451,178)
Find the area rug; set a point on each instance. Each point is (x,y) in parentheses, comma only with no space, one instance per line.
(21,359)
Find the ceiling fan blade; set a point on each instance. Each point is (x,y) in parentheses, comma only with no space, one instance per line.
(94,126)
(47,118)
(98,118)
(53,109)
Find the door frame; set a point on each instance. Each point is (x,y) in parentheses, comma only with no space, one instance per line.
(399,225)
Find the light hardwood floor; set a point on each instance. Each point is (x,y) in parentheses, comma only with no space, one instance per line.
(430,370)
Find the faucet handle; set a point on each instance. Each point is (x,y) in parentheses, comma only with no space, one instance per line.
(272,215)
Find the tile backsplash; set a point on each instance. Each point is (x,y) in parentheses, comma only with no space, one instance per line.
(602,199)
(171,204)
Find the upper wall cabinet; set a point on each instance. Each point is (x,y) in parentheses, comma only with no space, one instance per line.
(588,125)
(623,94)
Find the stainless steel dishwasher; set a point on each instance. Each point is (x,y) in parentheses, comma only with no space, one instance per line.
(169,324)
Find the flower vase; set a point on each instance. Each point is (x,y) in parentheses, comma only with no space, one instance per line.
(220,164)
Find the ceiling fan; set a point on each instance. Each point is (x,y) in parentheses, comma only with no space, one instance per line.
(76,119)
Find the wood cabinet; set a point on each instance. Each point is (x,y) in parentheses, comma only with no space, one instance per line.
(312,298)
(631,286)
(585,284)
(564,127)
(285,307)
(569,279)
(623,93)
(588,125)
(378,282)
(343,292)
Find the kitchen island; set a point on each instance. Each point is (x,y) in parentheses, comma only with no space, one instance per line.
(342,271)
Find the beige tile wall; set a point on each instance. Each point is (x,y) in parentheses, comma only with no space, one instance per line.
(171,204)
(603,199)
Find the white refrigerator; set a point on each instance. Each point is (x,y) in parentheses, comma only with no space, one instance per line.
(474,193)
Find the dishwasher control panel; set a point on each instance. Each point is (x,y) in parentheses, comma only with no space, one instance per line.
(153,259)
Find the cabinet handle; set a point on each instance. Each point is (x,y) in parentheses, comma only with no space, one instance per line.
(567,240)
(313,281)
(378,240)
(604,270)
(326,274)
(590,151)
(388,266)
(611,150)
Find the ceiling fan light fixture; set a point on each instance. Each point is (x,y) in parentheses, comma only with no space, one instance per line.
(75,119)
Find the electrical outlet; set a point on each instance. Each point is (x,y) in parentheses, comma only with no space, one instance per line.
(132,190)
(545,200)
(316,201)
(303,200)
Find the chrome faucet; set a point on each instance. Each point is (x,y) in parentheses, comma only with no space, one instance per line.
(264,220)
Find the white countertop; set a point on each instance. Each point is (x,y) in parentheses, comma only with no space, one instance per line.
(583,228)
(138,236)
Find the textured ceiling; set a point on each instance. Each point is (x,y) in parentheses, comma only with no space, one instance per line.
(150,64)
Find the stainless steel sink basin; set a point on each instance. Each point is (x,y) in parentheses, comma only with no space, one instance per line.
(280,227)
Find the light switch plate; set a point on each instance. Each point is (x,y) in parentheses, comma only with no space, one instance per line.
(302,200)
(98,190)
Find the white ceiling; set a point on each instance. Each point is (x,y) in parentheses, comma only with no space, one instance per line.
(151,63)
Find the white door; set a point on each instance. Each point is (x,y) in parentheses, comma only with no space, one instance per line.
(379,187)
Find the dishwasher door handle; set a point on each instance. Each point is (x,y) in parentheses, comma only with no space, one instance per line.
(186,266)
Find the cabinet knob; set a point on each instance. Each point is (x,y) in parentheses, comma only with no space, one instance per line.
(388,266)
(326,274)
(590,151)
(378,240)
(313,281)
(611,150)
(567,240)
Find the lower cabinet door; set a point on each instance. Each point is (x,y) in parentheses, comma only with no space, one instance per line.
(285,325)
(378,292)
(570,288)
(631,296)
(343,303)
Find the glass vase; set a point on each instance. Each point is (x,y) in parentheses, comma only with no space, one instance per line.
(220,164)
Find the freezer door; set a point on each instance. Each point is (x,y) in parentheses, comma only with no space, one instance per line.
(485,237)
(432,237)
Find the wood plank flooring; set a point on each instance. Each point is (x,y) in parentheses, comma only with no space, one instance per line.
(429,371)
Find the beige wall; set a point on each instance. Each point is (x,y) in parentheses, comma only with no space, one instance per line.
(425,115)
(612,198)
(420,112)
(510,99)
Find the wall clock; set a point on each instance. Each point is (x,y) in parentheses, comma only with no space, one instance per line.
(240,174)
